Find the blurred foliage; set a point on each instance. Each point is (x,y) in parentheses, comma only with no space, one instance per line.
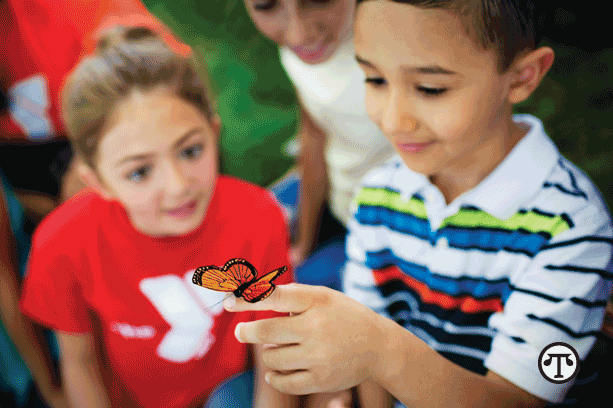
(258,107)
(254,97)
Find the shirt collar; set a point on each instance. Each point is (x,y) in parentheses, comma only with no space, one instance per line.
(516,180)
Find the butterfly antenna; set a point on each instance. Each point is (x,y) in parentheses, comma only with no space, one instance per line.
(221,301)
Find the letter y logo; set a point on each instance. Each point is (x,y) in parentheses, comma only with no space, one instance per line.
(183,306)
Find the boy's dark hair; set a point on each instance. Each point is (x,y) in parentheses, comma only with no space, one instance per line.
(508,26)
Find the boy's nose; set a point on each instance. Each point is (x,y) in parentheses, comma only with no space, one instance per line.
(397,118)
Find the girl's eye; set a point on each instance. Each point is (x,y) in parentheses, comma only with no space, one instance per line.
(375,81)
(139,174)
(192,152)
(264,5)
(431,91)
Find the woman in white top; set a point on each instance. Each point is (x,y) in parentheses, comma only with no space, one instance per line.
(339,143)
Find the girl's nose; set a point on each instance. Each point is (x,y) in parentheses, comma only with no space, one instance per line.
(176,181)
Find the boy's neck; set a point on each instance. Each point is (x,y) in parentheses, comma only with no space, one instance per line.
(467,173)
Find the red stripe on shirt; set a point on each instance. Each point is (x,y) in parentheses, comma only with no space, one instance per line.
(467,304)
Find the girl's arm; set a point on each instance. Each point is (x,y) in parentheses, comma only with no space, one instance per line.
(27,336)
(264,395)
(313,188)
(36,205)
(81,372)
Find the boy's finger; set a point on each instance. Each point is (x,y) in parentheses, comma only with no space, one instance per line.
(277,330)
(284,359)
(296,382)
(294,298)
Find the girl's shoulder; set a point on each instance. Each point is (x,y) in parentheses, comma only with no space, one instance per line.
(245,197)
(75,217)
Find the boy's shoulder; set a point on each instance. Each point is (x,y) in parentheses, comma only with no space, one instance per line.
(567,189)
(555,184)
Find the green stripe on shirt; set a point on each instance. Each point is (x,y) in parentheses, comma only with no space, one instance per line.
(531,221)
(380,197)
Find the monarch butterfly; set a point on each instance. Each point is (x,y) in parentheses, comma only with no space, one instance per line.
(239,277)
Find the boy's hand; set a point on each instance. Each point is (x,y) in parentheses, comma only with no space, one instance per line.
(328,343)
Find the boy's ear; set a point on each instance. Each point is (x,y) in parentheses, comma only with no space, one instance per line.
(91,179)
(527,73)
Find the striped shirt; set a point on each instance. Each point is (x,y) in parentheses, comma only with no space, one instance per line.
(522,260)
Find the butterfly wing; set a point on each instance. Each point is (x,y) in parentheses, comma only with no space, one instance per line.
(226,279)
(263,287)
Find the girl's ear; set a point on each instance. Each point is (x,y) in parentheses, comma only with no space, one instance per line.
(528,72)
(91,179)
(216,124)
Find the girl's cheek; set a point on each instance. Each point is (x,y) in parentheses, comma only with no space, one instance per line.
(142,199)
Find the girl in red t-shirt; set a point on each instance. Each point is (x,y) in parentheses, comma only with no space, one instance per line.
(110,270)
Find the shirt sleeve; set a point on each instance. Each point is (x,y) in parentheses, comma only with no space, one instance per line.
(52,293)
(560,297)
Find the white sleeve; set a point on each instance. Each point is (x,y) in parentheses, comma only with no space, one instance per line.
(560,297)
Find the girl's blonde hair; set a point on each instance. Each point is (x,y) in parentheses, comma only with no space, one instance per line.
(125,59)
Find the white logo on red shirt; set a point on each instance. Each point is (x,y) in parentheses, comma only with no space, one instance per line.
(133,332)
(29,104)
(185,307)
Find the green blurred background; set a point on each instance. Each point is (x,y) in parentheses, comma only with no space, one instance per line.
(258,106)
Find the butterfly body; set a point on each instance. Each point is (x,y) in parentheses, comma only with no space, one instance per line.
(241,289)
(239,277)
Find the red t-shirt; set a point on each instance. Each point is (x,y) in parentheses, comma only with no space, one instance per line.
(40,42)
(91,271)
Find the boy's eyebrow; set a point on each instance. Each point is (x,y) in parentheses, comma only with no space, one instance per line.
(362,61)
(428,69)
(178,143)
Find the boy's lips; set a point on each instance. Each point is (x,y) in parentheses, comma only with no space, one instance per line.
(185,210)
(414,147)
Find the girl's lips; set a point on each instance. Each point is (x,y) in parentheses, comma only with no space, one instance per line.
(311,54)
(184,211)
(414,147)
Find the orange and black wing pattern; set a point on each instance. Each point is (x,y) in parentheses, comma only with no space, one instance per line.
(261,288)
(235,273)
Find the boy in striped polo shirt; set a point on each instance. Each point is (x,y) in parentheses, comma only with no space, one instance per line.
(478,245)
(478,237)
